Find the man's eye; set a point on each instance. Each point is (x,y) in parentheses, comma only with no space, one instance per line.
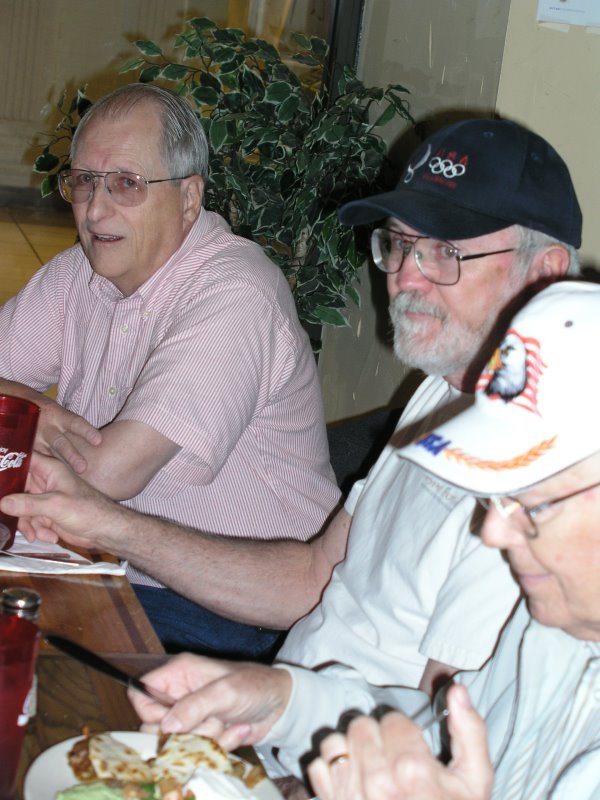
(82,179)
(446,251)
(544,512)
(126,183)
(399,242)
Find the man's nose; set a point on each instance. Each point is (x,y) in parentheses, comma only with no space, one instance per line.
(500,532)
(99,197)
(408,278)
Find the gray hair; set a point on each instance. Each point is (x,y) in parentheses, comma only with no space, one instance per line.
(530,241)
(183,146)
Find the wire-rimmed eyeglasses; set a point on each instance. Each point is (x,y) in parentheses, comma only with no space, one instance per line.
(437,260)
(125,188)
(527,518)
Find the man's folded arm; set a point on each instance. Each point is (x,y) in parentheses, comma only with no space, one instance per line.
(129,456)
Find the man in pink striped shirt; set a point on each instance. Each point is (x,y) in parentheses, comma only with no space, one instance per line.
(186,387)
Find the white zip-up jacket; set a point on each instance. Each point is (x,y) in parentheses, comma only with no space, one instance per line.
(539,696)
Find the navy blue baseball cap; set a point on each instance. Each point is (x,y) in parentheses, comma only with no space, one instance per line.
(476,177)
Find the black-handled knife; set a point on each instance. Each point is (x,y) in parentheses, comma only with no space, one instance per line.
(90,659)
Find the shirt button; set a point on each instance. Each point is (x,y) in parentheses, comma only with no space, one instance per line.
(125,328)
(112,391)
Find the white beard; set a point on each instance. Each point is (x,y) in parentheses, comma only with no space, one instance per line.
(452,351)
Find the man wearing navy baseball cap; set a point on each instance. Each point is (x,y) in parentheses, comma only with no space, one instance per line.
(477,177)
(484,214)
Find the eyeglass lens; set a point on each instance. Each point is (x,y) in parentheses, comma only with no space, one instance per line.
(436,259)
(515,512)
(125,188)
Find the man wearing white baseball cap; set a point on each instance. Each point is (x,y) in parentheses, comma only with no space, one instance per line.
(530,446)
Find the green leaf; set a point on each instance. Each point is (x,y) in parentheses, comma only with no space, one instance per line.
(222,53)
(267,51)
(202,24)
(205,96)
(278,92)
(335,134)
(206,79)
(234,101)
(387,116)
(307,287)
(174,72)
(353,295)
(305,58)
(232,65)
(229,35)
(289,139)
(72,105)
(330,316)
(46,162)
(301,40)
(48,185)
(149,74)
(288,108)
(131,65)
(83,103)
(319,46)
(251,82)
(148,48)
(229,80)
(218,134)
(397,87)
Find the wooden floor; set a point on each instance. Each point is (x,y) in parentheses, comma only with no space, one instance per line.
(28,239)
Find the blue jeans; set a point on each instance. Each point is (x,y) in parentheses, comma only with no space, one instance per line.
(183,625)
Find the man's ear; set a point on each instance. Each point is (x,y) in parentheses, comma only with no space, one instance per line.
(550,264)
(192,195)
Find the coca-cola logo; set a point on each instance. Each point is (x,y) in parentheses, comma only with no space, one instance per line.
(11,459)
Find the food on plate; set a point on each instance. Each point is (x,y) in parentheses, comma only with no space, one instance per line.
(91,791)
(185,767)
(182,753)
(115,760)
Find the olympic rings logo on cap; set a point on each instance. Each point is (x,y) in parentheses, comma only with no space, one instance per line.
(446,167)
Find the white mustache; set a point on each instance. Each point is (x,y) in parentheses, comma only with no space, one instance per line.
(407,301)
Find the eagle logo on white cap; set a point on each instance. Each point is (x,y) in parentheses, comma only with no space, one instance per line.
(513,373)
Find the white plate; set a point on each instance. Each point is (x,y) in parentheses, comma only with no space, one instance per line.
(50,772)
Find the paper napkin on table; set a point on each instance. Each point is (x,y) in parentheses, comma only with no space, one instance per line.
(25,563)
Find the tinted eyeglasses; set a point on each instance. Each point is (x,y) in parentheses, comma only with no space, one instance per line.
(125,188)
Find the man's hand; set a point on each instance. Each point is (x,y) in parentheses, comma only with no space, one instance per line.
(390,759)
(61,504)
(56,428)
(235,703)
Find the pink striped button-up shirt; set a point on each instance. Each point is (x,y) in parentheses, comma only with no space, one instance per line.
(209,352)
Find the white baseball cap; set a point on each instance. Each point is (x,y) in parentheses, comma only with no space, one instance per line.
(536,403)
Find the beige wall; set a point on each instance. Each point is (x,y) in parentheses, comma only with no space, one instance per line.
(550,82)
(47,45)
(449,55)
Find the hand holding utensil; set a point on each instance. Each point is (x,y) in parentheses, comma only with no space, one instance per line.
(90,659)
